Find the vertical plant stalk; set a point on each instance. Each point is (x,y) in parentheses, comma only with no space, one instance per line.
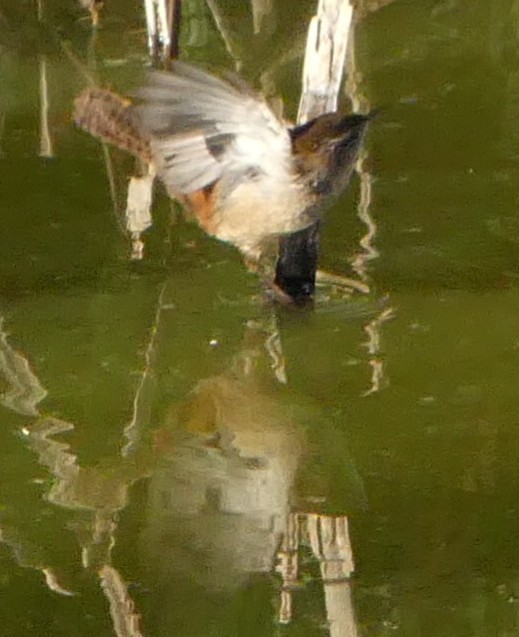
(174,19)
(163,23)
(163,26)
(151,27)
(138,218)
(46,146)
(110,175)
(143,399)
(231,42)
(327,44)
(325,55)
(326,47)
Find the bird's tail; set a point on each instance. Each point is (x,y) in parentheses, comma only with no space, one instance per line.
(111,118)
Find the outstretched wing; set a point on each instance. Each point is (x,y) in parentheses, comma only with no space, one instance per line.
(202,128)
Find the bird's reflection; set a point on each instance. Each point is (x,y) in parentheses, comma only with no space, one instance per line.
(221,470)
(220,505)
(220,467)
(220,496)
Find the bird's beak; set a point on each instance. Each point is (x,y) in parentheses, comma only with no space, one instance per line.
(351,128)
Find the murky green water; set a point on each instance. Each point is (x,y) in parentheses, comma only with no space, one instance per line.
(166,439)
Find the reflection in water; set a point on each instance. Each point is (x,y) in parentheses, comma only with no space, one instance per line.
(94,495)
(46,147)
(330,543)
(143,398)
(94,7)
(220,499)
(438,450)
(362,261)
(24,391)
(122,608)
(101,494)
(30,556)
(222,468)
(373,346)
(219,506)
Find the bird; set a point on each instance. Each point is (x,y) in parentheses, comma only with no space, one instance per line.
(246,176)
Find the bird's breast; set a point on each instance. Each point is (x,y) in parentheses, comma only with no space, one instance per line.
(252,212)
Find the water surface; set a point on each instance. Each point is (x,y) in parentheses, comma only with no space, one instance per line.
(166,439)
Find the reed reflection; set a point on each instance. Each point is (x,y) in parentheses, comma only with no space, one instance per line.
(223,502)
(226,502)
(221,493)
(222,467)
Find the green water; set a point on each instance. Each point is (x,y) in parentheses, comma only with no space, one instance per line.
(159,425)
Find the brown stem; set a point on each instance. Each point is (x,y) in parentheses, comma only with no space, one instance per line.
(174,18)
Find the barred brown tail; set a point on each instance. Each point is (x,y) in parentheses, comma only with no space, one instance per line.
(111,118)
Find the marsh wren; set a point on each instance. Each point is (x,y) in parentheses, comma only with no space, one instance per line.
(219,149)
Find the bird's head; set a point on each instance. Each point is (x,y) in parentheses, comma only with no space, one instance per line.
(325,150)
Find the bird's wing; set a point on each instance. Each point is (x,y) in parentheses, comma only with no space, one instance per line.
(202,128)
